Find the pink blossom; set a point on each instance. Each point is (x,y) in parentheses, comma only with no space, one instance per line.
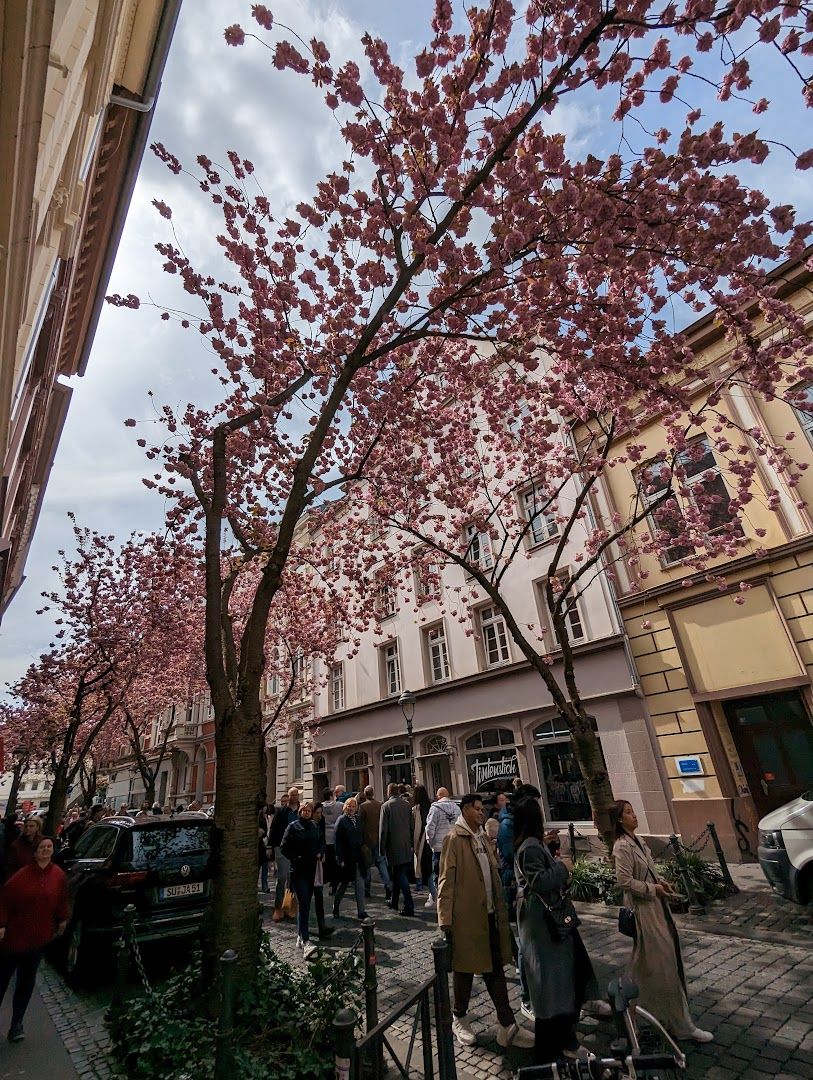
(234,34)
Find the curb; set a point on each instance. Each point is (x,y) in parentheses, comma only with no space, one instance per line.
(609,913)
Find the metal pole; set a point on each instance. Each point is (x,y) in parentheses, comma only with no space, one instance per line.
(223,1051)
(721,859)
(447,1070)
(571,831)
(426,1037)
(344,1045)
(371,994)
(695,907)
(121,967)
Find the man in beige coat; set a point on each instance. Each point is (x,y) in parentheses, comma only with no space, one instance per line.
(471,909)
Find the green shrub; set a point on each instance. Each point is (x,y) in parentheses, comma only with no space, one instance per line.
(593,881)
(706,878)
(282,1023)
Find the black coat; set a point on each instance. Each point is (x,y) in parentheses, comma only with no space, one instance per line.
(302,845)
(283,817)
(349,840)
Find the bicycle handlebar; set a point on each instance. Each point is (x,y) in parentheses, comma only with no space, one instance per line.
(595,1067)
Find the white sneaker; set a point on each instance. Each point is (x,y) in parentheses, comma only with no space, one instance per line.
(527,1011)
(430,903)
(597,1009)
(514,1035)
(309,949)
(698,1035)
(461,1029)
(299,942)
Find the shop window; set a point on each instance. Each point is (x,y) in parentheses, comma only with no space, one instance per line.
(396,767)
(491,760)
(357,771)
(563,789)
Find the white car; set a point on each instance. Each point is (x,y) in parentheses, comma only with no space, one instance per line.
(786,849)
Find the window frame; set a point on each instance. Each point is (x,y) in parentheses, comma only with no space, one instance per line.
(387,648)
(805,418)
(430,645)
(475,537)
(333,682)
(534,518)
(486,623)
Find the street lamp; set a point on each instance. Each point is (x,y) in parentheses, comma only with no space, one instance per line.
(407,702)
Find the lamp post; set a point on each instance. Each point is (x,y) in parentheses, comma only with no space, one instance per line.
(19,759)
(407,702)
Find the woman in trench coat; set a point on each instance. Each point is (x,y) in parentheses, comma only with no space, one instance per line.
(656,967)
(559,973)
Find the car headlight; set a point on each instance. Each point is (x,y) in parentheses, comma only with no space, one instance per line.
(771,839)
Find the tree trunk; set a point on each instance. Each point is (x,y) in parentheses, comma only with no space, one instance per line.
(587,751)
(57,801)
(149,792)
(16,781)
(240,778)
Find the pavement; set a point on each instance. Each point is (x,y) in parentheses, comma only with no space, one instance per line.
(749,965)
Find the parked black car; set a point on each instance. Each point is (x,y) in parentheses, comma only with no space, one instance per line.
(163,866)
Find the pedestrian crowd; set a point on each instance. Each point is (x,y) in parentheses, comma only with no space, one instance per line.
(498,881)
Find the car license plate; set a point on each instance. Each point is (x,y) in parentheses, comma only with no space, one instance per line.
(170,892)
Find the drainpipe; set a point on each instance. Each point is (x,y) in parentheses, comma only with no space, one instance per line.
(152,84)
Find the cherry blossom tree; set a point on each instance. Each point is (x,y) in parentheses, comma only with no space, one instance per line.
(22,746)
(459,217)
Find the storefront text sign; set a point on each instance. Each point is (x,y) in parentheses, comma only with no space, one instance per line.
(502,768)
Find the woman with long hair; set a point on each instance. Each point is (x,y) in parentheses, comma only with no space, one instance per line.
(302,846)
(325,931)
(422,850)
(656,966)
(557,968)
(349,857)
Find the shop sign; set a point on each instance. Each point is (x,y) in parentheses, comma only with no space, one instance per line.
(489,769)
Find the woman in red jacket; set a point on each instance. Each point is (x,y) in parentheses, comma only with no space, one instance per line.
(33,910)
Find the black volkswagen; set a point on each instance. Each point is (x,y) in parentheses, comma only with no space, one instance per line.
(162,866)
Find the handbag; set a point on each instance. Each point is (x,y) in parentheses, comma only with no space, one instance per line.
(289,904)
(626,923)
(560,914)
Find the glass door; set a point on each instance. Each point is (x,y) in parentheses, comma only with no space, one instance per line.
(774,738)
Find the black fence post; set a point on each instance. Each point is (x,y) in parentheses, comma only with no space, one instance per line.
(721,859)
(571,832)
(344,1044)
(426,1037)
(121,967)
(224,1066)
(695,906)
(447,1070)
(371,994)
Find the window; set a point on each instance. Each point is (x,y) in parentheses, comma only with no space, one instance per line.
(563,789)
(495,641)
(96,843)
(356,771)
(272,686)
(299,751)
(706,490)
(35,785)
(427,578)
(438,653)
(543,523)
(574,624)
(491,760)
(392,669)
(386,601)
(805,412)
(337,687)
(478,548)
(396,767)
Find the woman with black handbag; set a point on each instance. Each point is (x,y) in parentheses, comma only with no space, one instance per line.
(656,967)
(558,970)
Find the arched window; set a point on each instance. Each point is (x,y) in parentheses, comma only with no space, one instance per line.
(563,790)
(491,760)
(357,771)
(396,767)
(436,744)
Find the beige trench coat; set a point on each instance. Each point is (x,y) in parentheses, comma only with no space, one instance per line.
(656,966)
(462,903)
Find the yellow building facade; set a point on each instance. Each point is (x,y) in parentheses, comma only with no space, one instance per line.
(78,84)
(727,675)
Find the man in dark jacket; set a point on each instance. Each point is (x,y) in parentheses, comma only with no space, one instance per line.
(370,818)
(288,812)
(395,841)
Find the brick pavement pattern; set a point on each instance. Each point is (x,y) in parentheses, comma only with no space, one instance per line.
(756,996)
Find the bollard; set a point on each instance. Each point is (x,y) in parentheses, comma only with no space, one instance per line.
(344,1044)
(695,906)
(447,1070)
(225,1027)
(571,831)
(721,859)
(371,994)
(121,968)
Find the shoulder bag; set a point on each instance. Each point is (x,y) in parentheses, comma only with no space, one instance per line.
(560,914)
(626,916)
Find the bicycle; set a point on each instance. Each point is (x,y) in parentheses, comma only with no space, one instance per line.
(632,1062)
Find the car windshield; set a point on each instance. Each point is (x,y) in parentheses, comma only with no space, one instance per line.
(151,847)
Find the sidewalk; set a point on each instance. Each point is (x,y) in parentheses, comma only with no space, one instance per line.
(42,1053)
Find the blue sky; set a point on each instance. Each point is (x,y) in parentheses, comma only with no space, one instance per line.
(215,98)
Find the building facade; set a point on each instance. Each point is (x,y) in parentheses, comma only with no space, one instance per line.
(78,84)
(727,674)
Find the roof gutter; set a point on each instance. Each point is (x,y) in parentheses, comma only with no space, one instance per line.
(145,106)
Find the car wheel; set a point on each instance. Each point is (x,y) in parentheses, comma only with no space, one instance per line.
(76,950)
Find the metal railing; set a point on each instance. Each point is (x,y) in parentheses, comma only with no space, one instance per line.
(432,1019)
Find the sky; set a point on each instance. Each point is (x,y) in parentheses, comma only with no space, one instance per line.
(215,98)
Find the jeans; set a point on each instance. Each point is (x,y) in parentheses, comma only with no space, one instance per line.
(264,876)
(380,863)
(25,964)
(433,887)
(552,1036)
(400,883)
(303,887)
(495,982)
(341,889)
(283,873)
